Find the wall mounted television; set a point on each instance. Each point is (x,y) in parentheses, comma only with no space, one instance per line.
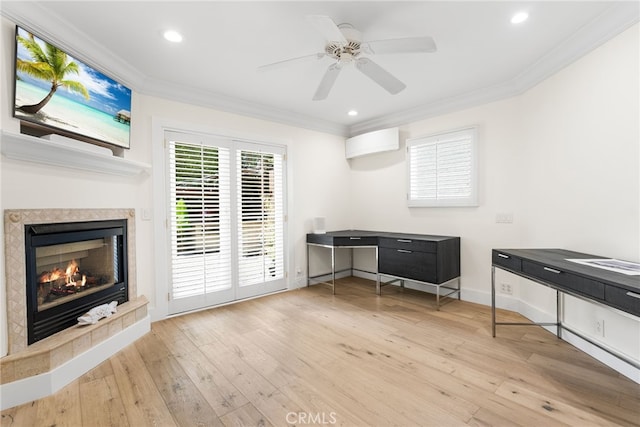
(57,92)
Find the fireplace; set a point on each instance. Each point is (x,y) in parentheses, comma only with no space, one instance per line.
(72,267)
(31,370)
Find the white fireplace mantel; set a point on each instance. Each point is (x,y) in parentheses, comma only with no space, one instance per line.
(32,149)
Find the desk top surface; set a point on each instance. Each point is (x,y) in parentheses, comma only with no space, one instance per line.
(329,237)
(558,258)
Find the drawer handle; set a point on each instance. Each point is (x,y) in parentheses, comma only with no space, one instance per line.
(633,295)
(504,256)
(552,270)
(404,251)
(404,240)
(354,238)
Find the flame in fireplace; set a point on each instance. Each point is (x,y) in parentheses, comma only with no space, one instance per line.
(72,269)
(57,273)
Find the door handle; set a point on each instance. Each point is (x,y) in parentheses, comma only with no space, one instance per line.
(354,238)
(404,251)
(552,270)
(504,256)
(404,240)
(633,295)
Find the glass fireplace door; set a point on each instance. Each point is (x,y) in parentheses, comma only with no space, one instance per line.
(71,268)
(68,271)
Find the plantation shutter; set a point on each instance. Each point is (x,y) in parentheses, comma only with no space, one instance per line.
(200,217)
(442,169)
(260,207)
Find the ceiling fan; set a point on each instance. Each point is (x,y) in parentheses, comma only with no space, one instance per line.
(345,46)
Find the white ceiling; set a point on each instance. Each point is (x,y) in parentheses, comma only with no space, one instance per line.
(481,56)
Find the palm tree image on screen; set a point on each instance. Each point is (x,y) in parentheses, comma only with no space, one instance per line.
(52,65)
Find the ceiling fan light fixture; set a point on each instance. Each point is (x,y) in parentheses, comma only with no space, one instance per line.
(519,17)
(172,36)
(345,58)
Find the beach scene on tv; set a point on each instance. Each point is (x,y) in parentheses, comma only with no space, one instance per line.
(56,90)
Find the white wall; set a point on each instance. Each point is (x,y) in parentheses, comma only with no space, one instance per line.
(563,158)
(581,172)
(379,190)
(5,82)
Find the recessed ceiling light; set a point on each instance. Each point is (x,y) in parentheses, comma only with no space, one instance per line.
(519,17)
(173,36)
(352,113)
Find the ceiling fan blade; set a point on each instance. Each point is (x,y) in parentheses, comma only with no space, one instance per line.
(328,28)
(406,45)
(327,82)
(380,75)
(299,59)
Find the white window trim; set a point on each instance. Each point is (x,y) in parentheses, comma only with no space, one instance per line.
(443,137)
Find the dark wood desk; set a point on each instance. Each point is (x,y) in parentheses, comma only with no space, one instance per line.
(550,267)
(425,259)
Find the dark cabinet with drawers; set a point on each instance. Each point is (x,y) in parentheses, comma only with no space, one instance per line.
(555,268)
(432,259)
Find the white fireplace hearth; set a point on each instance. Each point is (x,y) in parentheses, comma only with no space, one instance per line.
(30,372)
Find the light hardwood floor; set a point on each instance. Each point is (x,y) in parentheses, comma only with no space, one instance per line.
(308,357)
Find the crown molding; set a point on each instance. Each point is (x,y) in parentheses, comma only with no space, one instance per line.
(216,101)
(619,17)
(437,108)
(31,15)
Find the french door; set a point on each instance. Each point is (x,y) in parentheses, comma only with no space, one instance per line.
(226,220)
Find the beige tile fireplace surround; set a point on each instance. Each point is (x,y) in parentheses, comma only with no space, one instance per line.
(28,361)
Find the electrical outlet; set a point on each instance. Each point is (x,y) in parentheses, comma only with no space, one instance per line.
(600,328)
(505,288)
(504,218)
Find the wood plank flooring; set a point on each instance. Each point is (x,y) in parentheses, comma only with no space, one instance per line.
(307,357)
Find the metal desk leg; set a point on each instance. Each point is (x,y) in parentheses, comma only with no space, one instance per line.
(308,272)
(377,274)
(559,314)
(333,269)
(351,261)
(493,301)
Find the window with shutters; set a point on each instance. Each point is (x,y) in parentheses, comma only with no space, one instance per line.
(200,218)
(260,216)
(442,169)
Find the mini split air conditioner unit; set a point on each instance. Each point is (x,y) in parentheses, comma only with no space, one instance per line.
(373,142)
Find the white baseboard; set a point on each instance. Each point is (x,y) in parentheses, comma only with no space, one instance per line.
(39,386)
(603,356)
